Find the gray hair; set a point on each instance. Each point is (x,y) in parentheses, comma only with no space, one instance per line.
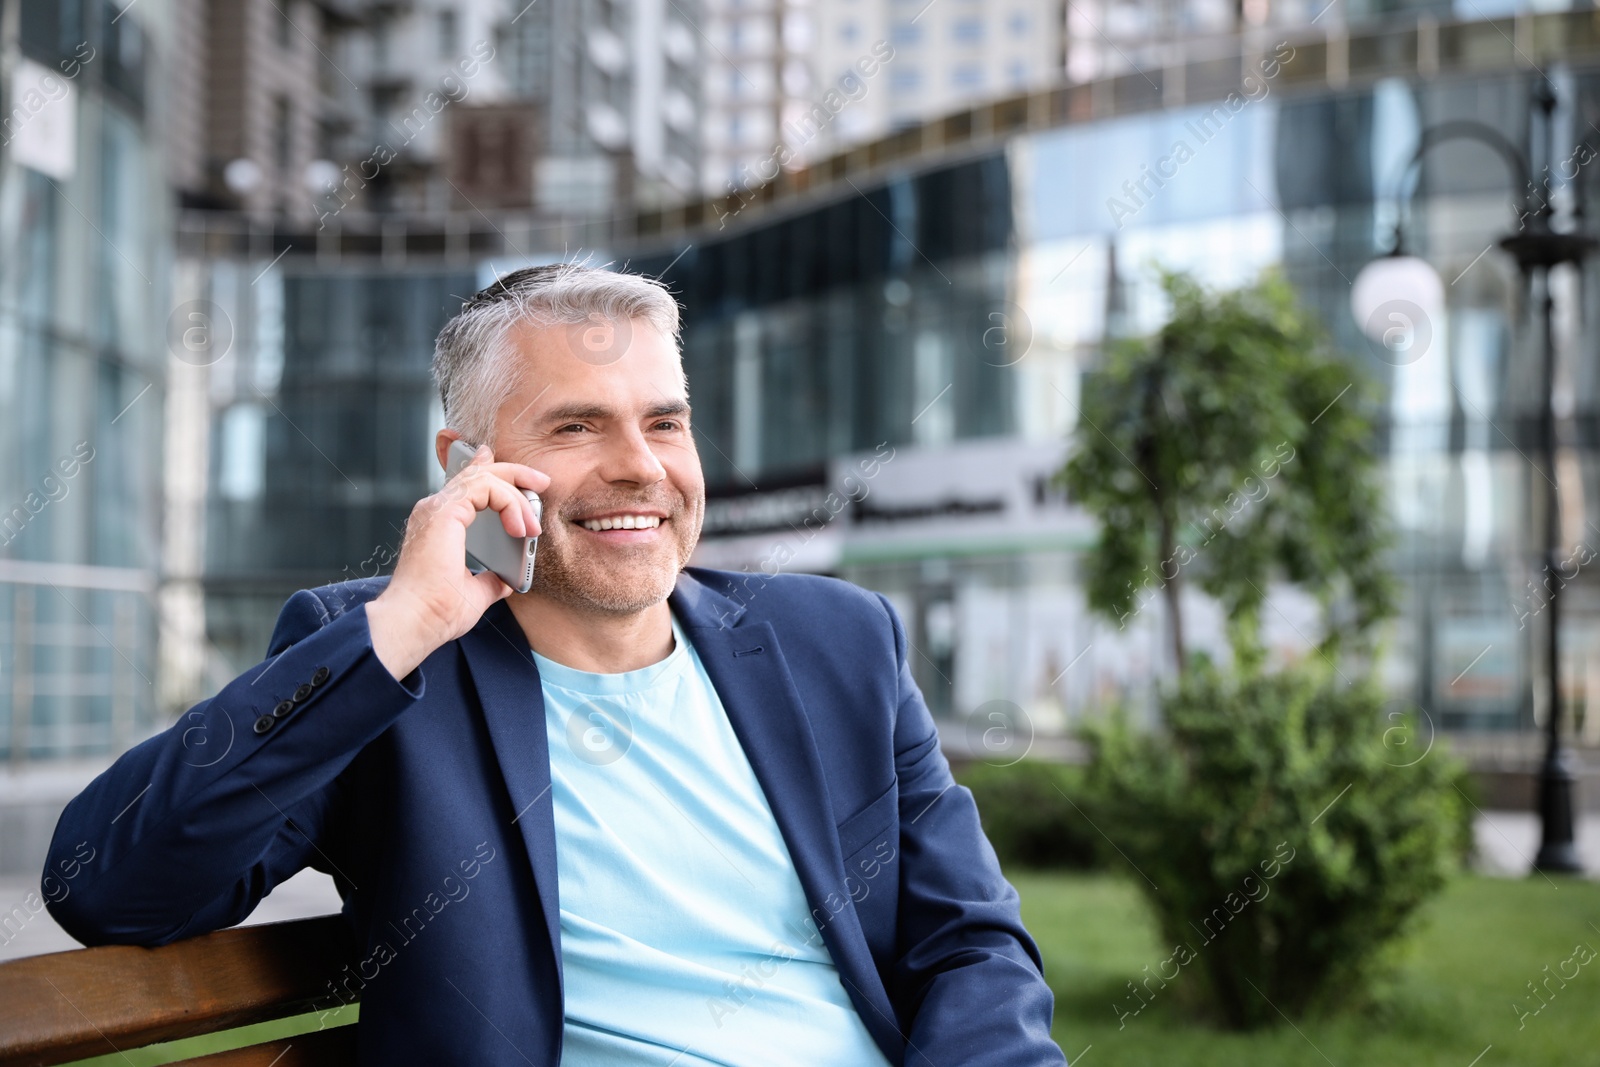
(474,358)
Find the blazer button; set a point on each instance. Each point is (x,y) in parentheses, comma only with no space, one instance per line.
(319,676)
(264,724)
(284,707)
(301,693)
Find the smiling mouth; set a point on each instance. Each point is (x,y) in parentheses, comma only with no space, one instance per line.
(621,522)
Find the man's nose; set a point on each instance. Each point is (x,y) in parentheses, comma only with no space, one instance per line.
(629,458)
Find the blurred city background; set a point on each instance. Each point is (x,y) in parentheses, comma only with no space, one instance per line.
(904,235)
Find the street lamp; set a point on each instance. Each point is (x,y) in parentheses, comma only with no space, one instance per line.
(1396,299)
(1398,295)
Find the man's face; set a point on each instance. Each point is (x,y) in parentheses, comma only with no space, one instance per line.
(613,435)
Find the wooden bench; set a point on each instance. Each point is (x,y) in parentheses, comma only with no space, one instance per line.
(67,1006)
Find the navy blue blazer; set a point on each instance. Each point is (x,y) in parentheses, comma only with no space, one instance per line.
(428,802)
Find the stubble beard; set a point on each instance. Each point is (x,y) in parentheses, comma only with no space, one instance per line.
(620,583)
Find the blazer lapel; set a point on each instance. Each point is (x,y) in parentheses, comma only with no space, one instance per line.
(748,670)
(507,681)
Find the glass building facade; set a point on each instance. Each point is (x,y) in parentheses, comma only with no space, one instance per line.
(957,311)
(322,429)
(83,301)
(885,372)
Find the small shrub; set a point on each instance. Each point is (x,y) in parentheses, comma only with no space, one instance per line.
(1029,816)
(1277,838)
(1471,799)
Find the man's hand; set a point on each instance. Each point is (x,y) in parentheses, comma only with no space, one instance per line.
(432,598)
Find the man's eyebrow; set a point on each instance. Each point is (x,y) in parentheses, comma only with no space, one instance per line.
(599,412)
(668,407)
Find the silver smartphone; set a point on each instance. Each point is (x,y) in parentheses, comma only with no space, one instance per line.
(488,544)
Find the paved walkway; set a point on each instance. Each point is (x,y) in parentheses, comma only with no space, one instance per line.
(1507,841)
(307,893)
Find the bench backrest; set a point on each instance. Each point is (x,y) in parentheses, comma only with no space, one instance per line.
(67,1006)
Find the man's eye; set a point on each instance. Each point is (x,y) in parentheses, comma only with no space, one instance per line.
(572,426)
(667,424)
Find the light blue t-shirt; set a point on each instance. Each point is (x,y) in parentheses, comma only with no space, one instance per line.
(686,938)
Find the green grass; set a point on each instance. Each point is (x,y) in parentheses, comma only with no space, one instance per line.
(190,1047)
(1446,996)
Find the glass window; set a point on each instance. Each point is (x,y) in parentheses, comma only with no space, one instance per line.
(124,230)
(282,134)
(80,393)
(447,33)
(244,452)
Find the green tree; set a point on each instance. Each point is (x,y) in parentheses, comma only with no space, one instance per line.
(1234,444)
(1284,826)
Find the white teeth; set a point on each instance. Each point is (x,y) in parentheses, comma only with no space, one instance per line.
(623,522)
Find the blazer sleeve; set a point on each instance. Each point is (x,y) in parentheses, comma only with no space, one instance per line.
(188,830)
(968,981)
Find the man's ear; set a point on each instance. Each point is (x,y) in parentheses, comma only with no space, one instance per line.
(441,445)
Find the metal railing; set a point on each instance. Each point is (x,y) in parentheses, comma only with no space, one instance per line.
(77,659)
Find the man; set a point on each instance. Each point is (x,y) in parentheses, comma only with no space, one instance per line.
(644,813)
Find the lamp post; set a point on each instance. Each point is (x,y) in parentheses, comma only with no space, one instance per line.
(1397,294)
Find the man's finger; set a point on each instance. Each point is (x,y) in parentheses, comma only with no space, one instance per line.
(493,585)
(482,490)
(522,475)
